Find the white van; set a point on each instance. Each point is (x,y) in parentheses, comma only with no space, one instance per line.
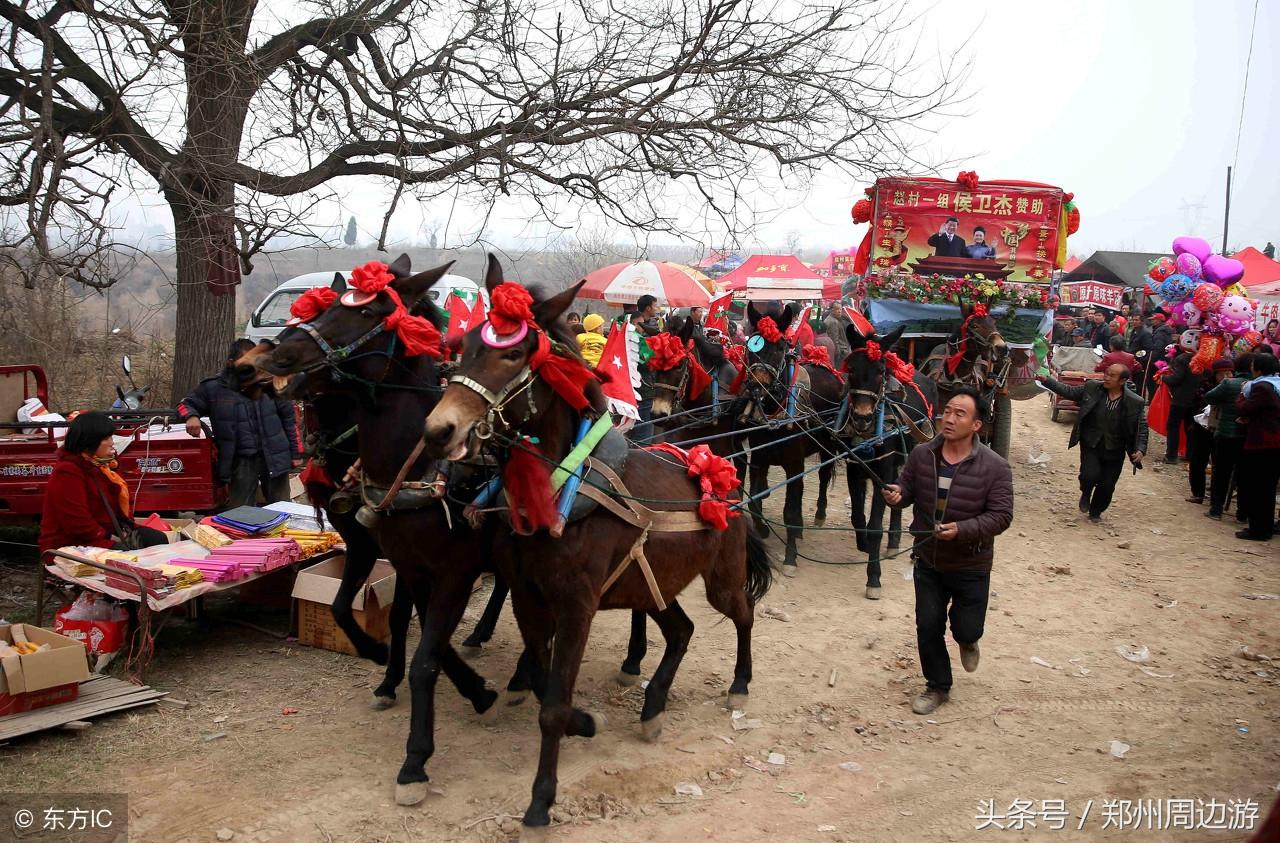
(269,317)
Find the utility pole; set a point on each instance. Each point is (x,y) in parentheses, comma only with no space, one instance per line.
(1226,214)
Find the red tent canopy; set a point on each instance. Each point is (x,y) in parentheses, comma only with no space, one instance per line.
(1258,268)
(1072,263)
(780,277)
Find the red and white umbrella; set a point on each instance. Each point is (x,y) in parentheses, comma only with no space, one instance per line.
(675,284)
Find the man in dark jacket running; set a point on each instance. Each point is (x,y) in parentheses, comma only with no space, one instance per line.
(1111,424)
(962,491)
(257,439)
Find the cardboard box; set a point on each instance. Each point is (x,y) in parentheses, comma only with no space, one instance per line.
(315,589)
(179,529)
(40,679)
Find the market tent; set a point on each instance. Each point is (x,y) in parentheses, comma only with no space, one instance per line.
(779,277)
(1258,268)
(1072,263)
(1128,269)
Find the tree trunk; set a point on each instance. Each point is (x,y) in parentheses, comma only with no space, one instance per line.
(206,323)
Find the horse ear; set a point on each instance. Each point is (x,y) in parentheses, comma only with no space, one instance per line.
(414,287)
(891,339)
(400,266)
(686,330)
(788,316)
(492,273)
(544,313)
(339,284)
(965,310)
(854,336)
(753,315)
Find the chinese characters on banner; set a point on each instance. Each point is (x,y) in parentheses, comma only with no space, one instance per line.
(1092,293)
(1268,309)
(1002,229)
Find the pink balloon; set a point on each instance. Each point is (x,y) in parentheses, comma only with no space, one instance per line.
(1223,271)
(1196,246)
(1188,264)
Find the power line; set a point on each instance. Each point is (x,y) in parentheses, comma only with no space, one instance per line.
(1253,28)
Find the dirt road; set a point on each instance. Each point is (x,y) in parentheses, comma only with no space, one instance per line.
(834,675)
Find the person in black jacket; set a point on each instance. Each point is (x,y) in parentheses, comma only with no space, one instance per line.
(1161,338)
(946,243)
(1183,385)
(257,438)
(1111,424)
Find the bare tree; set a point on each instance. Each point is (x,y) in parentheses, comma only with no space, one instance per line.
(242,117)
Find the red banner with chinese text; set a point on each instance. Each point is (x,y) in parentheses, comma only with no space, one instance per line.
(1000,229)
(1093,293)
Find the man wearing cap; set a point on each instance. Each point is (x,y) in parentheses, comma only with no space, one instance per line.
(1111,424)
(591,341)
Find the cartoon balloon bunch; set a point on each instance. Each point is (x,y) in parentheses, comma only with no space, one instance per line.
(1202,292)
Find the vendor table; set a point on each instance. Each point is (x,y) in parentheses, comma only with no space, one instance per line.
(186,597)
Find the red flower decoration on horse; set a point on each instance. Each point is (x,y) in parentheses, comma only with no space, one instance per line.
(371,278)
(668,352)
(768,329)
(510,305)
(311,304)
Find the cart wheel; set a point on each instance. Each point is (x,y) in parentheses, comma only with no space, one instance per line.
(1002,425)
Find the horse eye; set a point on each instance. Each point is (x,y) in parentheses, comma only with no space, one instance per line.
(366,312)
(512,355)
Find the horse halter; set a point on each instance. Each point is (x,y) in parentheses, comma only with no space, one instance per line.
(878,396)
(498,401)
(677,389)
(333,356)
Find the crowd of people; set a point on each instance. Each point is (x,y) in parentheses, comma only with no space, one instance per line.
(1222,423)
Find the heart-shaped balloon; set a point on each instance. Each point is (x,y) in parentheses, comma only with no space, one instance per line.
(1222,271)
(1197,246)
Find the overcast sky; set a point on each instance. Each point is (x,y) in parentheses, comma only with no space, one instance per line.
(1131,104)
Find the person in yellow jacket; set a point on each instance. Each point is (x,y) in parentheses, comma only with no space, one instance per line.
(591,341)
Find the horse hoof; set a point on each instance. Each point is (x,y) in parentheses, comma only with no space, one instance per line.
(469,651)
(628,680)
(515,698)
(651,729)
(534,833)
(600,721)
(381,703)
(873,592)
(737,702)
(789,570)
(819,522)
(411,793)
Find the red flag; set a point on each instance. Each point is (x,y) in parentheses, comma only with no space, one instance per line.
(860,322)
(799,332)
(615,371)
(477,311)
(460,321)
(715,313)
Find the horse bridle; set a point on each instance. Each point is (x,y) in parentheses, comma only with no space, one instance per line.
(877,396)
(333,356)
(496,402)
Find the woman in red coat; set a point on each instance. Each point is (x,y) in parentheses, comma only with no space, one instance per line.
(83,485)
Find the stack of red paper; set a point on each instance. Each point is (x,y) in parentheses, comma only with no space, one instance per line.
(157,583)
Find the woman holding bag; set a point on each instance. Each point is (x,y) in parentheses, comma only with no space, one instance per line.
(86,501)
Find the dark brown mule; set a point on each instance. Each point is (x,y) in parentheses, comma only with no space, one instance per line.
(878,405)
(678,414)
(784,443)
(557,584)
(984,361)
(437,556)
(332,441)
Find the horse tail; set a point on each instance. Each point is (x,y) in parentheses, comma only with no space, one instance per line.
(759,567)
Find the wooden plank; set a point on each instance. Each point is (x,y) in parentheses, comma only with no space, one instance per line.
(99,695)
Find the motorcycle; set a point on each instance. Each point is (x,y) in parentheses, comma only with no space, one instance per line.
(133,398)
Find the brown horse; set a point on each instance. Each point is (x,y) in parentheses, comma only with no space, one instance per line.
(779,388)
(431,548)
(975,355)
(558,584)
